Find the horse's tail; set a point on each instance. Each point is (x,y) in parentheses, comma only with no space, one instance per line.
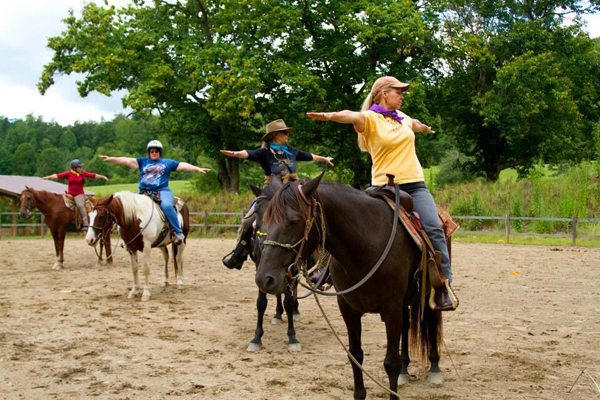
(426,333)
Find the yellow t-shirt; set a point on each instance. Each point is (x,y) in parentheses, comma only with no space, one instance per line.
(392,148)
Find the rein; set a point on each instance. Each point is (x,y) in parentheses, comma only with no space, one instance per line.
(294,277)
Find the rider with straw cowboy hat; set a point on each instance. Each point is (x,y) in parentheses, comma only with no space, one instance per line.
(75,182)
(277,158)
(154,178)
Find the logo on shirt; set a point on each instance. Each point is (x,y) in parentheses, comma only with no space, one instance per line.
(153,173)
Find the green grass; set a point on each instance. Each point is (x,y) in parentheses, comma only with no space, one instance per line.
(490,238)
(178,187)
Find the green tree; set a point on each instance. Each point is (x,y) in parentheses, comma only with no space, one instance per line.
(24,160)
(68,141)
(217,71)
(520,86)
(50,161)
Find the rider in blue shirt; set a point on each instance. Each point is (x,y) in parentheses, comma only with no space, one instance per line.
(154,178)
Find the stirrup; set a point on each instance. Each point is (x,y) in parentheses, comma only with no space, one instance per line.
(451,296)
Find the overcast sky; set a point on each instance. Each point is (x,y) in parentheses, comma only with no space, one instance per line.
(25,27)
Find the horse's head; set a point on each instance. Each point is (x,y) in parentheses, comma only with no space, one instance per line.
(263,197)
(291,223)
(27,202)
(101,218)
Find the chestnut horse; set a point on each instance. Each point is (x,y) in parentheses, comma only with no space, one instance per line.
(357,228)
(263,196)
(140,223)
(58,219)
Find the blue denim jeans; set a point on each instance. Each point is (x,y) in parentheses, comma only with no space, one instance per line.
(424,205)
(166,204)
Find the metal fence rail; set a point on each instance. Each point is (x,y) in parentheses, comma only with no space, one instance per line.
(205,225)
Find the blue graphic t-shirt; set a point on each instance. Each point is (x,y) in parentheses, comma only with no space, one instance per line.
(279,162)
(154,175)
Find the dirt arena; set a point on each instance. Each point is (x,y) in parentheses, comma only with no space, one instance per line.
(527,326)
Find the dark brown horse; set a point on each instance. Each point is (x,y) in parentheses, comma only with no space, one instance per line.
(263,196)
(357,229)
(59,219)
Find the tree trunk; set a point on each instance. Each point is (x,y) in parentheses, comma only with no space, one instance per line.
(228,173)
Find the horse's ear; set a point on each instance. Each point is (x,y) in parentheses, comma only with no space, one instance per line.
(276,182)
(110,199)
(310,187)
(255,189)
(27,187)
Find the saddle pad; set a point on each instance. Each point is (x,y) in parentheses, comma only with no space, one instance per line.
(446,223)
(70,203)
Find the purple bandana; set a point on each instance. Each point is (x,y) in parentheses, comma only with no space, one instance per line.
(386,113)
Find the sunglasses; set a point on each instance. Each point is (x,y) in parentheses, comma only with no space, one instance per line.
(154,151)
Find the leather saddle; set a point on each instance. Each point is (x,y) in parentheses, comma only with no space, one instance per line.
(166,234)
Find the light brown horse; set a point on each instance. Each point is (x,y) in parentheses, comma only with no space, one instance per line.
(58,219)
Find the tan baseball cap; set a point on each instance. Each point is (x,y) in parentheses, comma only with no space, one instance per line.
(386,82)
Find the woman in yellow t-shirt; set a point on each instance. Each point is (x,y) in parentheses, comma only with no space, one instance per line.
(389,137)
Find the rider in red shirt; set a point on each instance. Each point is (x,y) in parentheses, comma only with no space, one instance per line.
(75,181)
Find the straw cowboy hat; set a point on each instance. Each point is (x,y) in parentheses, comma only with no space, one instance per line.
(273,127)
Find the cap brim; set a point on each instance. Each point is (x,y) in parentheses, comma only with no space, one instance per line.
(404,87)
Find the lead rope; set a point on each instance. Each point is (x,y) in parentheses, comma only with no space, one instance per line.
(354,360)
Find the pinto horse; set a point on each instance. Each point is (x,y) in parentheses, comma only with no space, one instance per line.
(140,222)
(263,196)
(58,219)
(357,228)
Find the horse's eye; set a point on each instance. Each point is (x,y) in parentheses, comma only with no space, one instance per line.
(293,222)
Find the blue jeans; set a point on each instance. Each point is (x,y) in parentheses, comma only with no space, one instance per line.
(423,204)
(166,204)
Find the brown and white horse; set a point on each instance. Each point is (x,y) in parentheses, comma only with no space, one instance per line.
(57,218)
(140,223)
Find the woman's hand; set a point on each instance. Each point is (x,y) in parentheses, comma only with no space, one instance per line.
(228,153)
(204,170)
(418,126)
(105,158)
(104,177)
(320,116)
(328,160)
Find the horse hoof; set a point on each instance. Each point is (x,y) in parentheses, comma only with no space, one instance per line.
(145,297)
(436,378)
(131,294)
(165,284)
(297,317)
(253,347)
(276,321)
(180,286)
(294,347)
(403,379)
(56,267)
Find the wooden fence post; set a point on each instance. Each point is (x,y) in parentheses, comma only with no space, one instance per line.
(507,228)
(13,228)
(205,228)
(574,230)
(43,226)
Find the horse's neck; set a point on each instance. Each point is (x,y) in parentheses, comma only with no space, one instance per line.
(354,223)
(46,202)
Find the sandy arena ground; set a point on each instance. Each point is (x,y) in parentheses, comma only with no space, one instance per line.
(527,326)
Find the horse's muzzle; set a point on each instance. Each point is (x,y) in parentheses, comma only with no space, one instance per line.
(271,283)
(26,214)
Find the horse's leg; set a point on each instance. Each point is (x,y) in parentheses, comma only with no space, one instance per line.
(353,325)
(293,344)
(165,254)
(134,271)
(55,237)
(433,321)
(277,318)
(403,379)
(178,264)
(297,315)
(261,306)
(393,328)
(62,233)
(146,270)
(108,248)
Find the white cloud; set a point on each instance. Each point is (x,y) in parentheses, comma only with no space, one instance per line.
(24,31)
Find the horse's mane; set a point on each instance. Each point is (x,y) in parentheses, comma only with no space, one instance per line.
(289,198)
(132,204)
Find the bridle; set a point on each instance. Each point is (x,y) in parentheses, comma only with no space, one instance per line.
(292,274)
(30,200)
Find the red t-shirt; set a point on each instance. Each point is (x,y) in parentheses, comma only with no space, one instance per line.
(75,181)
